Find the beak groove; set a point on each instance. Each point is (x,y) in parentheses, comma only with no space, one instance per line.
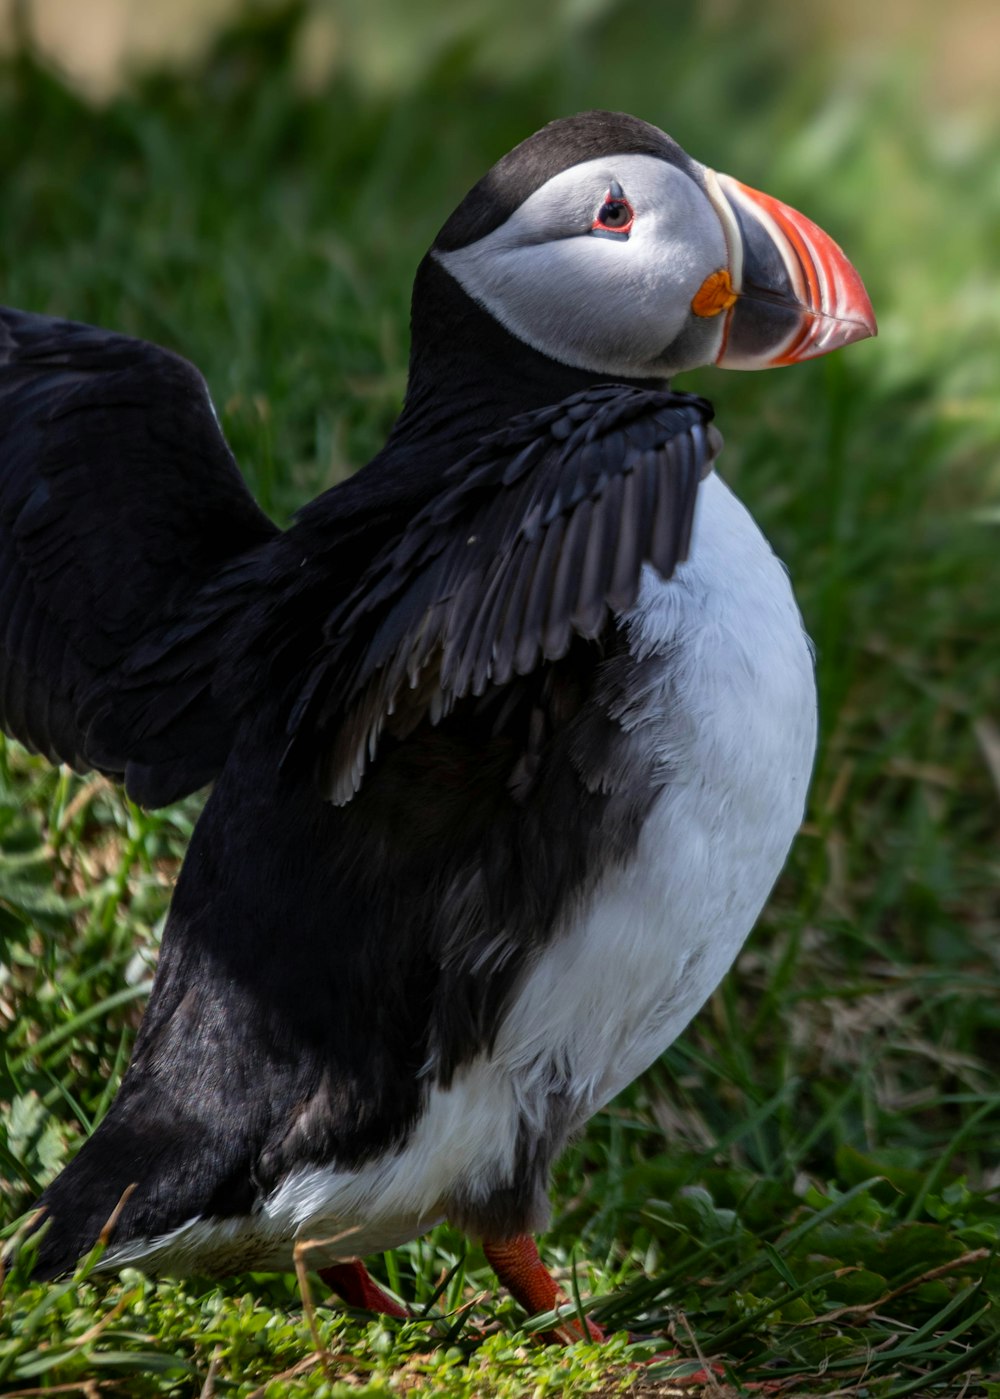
(798,295)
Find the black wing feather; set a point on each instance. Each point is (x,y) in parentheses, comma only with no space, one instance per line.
(631,546)
(559,624)
(540,534)
(119,502)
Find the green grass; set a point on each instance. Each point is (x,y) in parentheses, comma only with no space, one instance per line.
(806,1188)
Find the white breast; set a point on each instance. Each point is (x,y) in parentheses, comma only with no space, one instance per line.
(733,719)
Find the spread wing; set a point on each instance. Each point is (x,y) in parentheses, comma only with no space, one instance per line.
(535,538)
(119,502)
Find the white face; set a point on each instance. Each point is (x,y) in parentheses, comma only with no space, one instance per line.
(620,304)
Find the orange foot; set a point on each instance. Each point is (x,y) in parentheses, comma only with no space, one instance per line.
(518,1266)
(352,1283)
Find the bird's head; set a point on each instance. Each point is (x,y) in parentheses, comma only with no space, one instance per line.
(599,243)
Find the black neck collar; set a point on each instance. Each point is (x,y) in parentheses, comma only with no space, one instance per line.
(468,375)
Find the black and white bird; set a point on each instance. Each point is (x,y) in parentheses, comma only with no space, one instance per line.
(508,735)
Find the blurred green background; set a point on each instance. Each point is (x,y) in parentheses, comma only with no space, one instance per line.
(253,185)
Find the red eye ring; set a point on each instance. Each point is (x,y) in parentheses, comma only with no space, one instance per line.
(615,217)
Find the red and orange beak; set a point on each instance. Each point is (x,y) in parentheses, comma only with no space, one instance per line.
(788,293)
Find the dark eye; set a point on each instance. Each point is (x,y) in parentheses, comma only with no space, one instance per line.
(615,216)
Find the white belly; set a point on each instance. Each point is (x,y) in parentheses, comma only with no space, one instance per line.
(732,718)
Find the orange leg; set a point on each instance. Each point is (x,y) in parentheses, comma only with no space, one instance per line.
(353,1285)
(518,1266)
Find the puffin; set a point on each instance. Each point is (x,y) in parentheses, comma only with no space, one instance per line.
(507,735)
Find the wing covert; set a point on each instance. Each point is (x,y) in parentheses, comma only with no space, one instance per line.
(536,537)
